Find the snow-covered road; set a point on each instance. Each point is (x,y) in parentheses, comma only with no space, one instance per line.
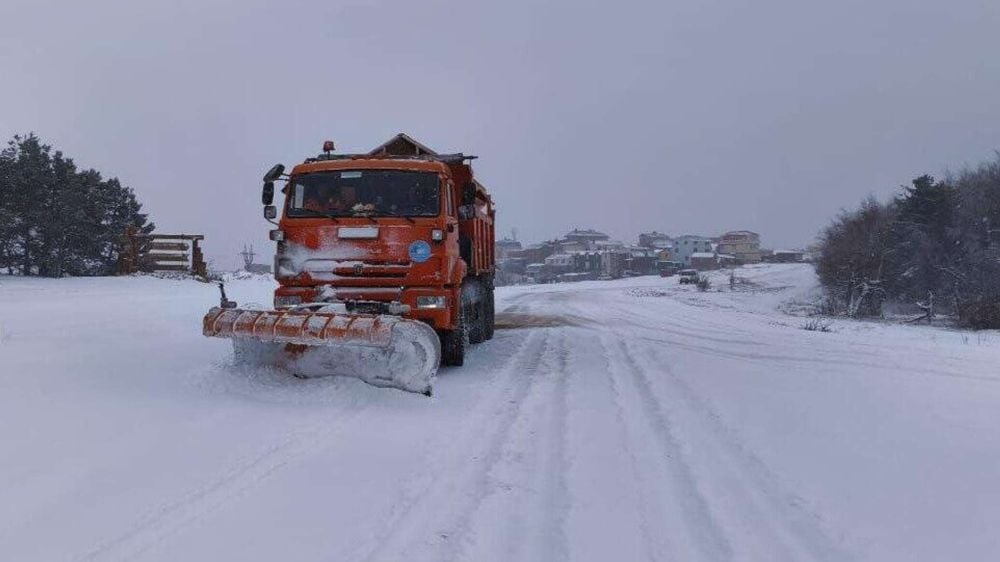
(626,420)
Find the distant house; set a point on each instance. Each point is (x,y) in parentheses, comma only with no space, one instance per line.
(642,260)
(505,246)
(559,263)
(725,260)
(537,272)
(587,262)
(655,240)
(536,253)
(688,244)
(744,245)
(787,256)
(703,261)
(642,265)
(613,263)
(586,237)
(609,245)
(513,265)
(568,246)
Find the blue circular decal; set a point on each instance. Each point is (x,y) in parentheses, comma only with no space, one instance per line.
(420,251)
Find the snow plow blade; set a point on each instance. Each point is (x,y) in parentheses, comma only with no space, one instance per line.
(382,350)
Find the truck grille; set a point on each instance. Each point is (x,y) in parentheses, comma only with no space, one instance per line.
(359,269)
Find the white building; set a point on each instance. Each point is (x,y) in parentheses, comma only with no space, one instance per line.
(688,244)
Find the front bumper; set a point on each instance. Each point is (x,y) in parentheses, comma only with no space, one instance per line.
(439,318)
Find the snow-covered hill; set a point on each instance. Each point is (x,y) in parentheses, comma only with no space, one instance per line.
(626,420)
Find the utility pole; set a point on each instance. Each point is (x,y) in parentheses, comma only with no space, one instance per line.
(248,256)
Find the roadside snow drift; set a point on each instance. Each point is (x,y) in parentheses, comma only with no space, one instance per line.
(626,420)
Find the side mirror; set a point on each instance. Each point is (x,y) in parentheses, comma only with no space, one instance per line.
(267,197)
(469,194)
(270,211)
(274,173)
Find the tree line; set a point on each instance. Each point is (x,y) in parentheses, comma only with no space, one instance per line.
(58,220)
(936,245)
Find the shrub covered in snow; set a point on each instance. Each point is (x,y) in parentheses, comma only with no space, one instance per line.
(938,242)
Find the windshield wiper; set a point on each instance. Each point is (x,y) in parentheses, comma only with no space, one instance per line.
(407,217)
(313,213)
(365,216)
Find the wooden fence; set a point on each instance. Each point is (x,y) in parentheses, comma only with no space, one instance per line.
(162,252)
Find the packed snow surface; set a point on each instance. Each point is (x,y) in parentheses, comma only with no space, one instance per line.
(627,420)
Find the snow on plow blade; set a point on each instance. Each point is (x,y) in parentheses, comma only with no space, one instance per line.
(382,350)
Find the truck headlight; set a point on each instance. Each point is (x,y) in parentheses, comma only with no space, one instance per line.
(277,235)
(284,301)
(432,302)
(437,235)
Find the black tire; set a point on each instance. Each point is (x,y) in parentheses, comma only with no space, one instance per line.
(455,342)
(477,322)
(475,317)
(489,319)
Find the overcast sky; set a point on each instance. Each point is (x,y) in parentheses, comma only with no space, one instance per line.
(694,116)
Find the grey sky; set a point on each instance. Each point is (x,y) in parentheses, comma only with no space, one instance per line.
(623,116)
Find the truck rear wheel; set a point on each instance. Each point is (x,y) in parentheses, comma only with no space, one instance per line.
(455,342)
(475,312)
(477,322)
(489,318)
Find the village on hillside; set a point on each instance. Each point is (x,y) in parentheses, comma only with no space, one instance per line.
(586,254)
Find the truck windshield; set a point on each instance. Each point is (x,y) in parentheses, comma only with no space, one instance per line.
(365,193)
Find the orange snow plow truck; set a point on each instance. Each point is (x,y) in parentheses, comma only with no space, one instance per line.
(384,264)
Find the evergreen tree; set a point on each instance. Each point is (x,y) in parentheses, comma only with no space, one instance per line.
(924,239)
(937,238)
(56,220)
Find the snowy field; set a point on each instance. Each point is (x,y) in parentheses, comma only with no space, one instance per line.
(626,420)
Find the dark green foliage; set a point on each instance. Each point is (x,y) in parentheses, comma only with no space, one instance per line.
(939,241)
(57,220)
(924,239)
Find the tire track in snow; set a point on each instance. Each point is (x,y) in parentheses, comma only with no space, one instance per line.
(738,476)
(653,546)
(609,517)
(434,514)
(172,517)
(557,499)
(691,332)
(817,358)
(708,540)
(528,478)
(657,546)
